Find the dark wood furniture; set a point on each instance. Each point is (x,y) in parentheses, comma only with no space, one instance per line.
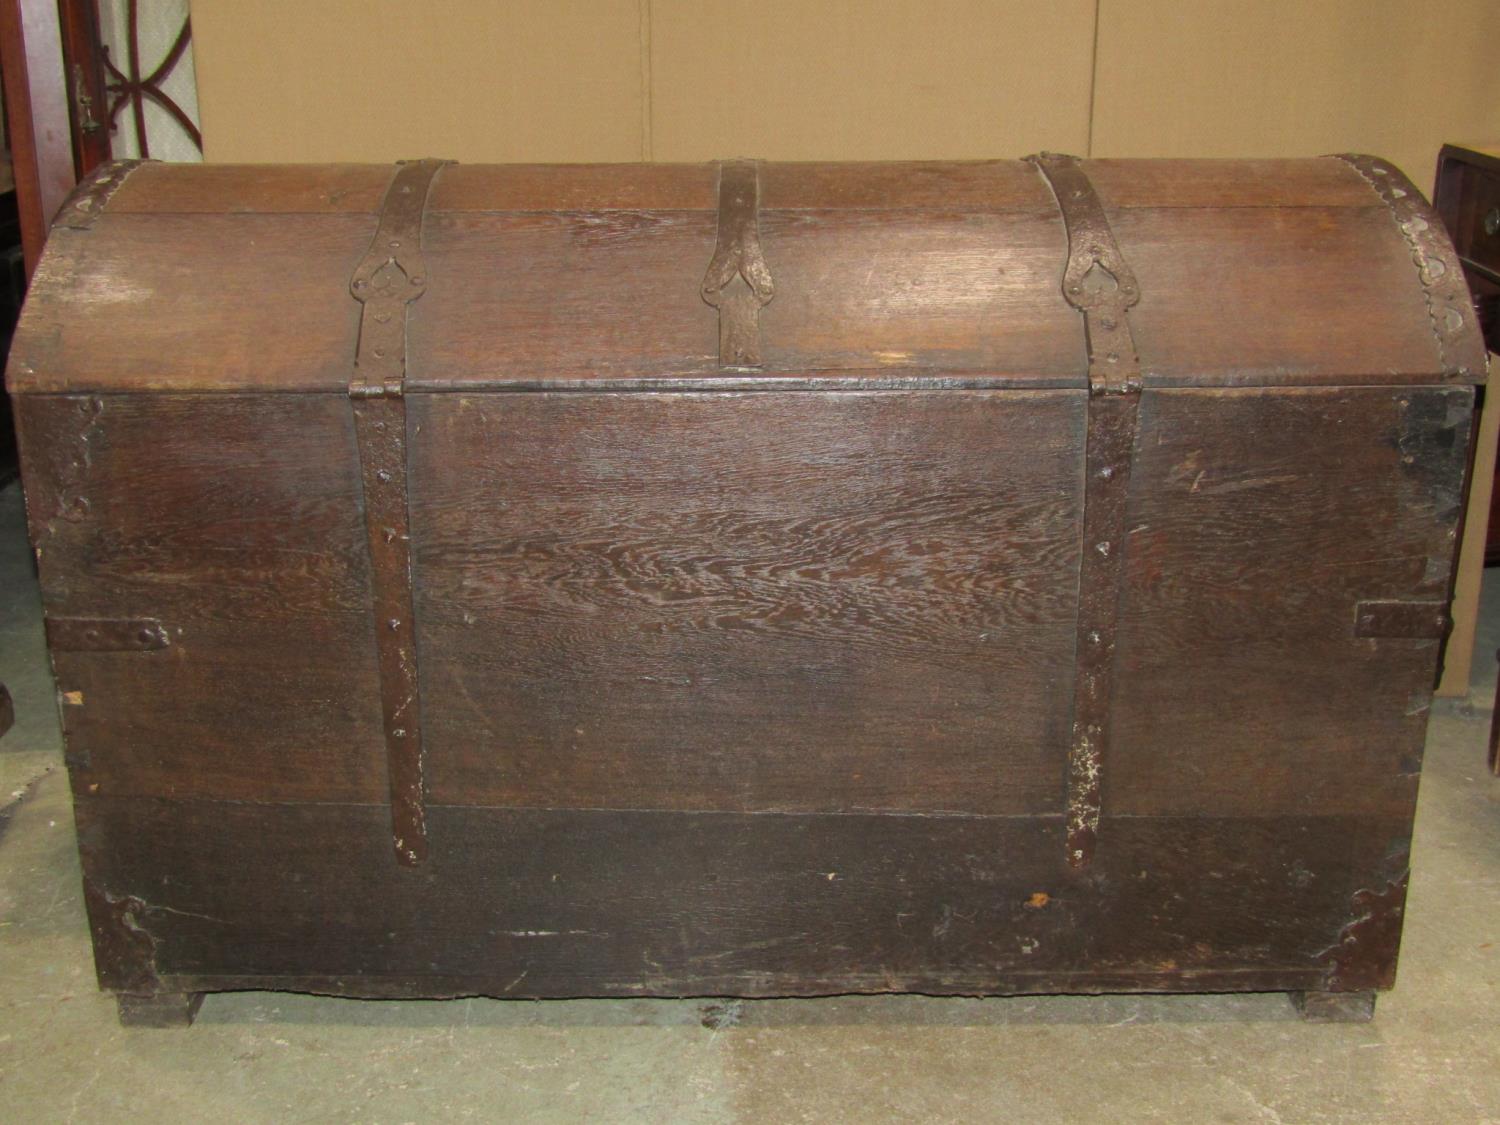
(1467,199)
(744,579)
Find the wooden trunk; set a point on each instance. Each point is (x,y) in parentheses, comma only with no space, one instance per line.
(740,579)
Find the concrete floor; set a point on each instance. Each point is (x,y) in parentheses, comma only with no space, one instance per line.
(1432,1054)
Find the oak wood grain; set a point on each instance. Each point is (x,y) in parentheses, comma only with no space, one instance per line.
(608,903)
(629,601)
(1258,520)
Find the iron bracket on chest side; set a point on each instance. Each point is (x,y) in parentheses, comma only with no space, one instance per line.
(1100,285)
(388,279)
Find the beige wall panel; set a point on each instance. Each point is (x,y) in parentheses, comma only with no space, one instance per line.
(1296,78)
(475,80)
(868,79)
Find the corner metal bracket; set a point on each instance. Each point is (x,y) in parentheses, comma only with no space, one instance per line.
(91,196)
(388,279)
(1100,285)
(1450,311)
(737,254)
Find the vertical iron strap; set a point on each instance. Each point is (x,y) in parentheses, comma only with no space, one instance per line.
(389,277)
(737,254)
(1098,283)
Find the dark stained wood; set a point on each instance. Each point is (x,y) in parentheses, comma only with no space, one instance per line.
(756,682)
(88,101)
(36,113)
(1281,311)
(252,189)
(194,302)
(1232,184)
(870,606)
(1258,521)
(1494,756)
(569,903)
(831,313)
(545,276)
(250,552)
(1467,199)
(558,188)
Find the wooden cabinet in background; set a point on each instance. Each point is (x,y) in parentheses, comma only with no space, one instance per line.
(1467,199)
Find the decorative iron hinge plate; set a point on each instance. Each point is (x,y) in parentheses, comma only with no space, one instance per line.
(390,277)
(1100,285)
(738,255)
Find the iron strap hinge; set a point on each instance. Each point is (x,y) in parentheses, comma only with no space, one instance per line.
(1100,285)
(387,280)
(737,255)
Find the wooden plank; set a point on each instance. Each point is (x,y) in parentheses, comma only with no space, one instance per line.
(255,189)
(575,187)
(1154,184)
(1292,294)
(193,302)
(875,279)
(235,522)
(831,601)
(1258,522)
(559,903)
(37,133)
(869,292)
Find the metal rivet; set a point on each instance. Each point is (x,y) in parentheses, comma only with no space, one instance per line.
(1107,473)
(383,476)
(1102,548)
(393,624)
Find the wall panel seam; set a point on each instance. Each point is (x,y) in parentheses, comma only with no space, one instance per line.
(645,17)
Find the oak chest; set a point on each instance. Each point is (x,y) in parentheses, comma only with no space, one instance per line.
(746,579)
